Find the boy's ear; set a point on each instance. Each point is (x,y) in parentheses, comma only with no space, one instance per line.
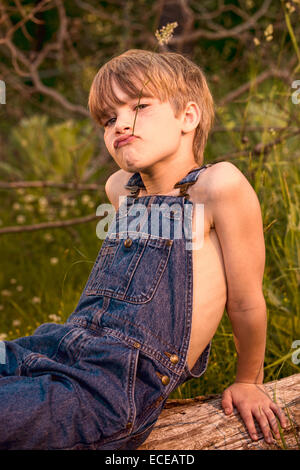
(190,117)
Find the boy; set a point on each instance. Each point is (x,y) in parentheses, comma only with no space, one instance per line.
(144,322)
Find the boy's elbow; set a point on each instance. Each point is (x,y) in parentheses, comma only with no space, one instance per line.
(256,304)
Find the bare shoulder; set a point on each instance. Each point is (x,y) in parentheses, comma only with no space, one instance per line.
(114,186)
(225,178)
(224,189)
(231,199)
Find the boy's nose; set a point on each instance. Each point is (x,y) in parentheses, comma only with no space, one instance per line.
(121,127)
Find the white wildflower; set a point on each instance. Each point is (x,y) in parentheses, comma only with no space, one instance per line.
(63,212)
(53,260)
(29,198)
(290,7)
(65,201)
(20,219)
(85,199)
(16,206)
(6,293)
(54,317)
(43,202)
(48,237)
(268,30)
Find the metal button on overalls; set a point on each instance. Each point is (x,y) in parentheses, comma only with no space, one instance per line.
(165,380)
(128,242)
(174,359)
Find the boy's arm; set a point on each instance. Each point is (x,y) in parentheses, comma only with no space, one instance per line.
(238,224)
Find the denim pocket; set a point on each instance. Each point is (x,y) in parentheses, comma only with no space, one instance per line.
(129,269)
(149,391)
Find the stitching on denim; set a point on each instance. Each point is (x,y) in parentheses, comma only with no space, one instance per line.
(189,306)
(157,277)
(151,409)
(135,265)
(90,324)
(147,350)
(137,299)
(134,358)
(108,440)
(62,341)
(29,360)
(145,330)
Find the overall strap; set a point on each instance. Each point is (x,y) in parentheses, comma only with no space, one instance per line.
(189,180)
(135,182)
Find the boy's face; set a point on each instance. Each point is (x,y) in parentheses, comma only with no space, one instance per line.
(157,132)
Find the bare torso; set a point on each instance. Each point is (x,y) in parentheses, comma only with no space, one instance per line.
(209,280)
(209,283)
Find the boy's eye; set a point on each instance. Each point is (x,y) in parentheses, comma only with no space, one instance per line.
(107,123)
(140,105)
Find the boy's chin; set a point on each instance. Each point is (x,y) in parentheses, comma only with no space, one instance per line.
(134,167)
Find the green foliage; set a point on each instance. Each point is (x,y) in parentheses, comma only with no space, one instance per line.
(56,152)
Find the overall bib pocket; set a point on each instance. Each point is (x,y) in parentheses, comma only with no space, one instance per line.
(129,269)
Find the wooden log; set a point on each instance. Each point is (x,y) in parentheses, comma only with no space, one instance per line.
(200,423)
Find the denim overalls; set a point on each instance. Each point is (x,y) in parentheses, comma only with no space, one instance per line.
(100,380)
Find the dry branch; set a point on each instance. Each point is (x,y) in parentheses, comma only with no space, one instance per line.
(48,225)
(200,423)
(51,184)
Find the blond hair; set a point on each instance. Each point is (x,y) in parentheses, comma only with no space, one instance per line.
(169,76)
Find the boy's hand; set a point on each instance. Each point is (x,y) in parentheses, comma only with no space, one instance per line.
(252,400)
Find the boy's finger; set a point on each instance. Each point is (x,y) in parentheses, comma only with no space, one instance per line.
(227,402)
(280,413)
(272,422)
(249,422)
(264,425)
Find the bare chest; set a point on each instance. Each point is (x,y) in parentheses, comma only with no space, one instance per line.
(209,281)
